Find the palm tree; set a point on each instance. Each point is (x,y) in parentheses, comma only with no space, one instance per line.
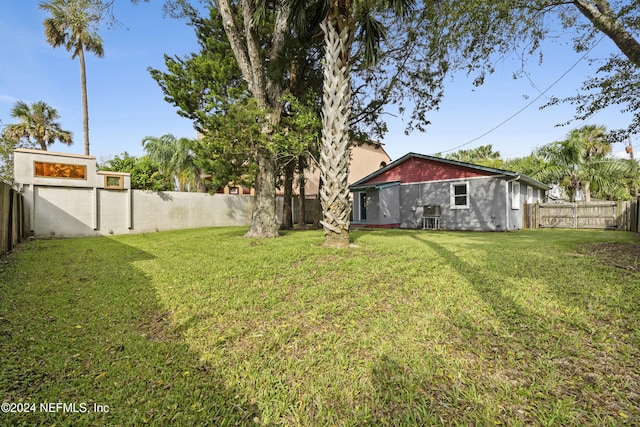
(38,125)
(341,19)
(73,25)
(174,157)
(581,162)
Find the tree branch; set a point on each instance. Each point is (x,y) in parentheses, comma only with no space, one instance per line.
(603,18)
(238,47)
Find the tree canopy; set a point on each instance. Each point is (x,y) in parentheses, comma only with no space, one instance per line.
(175,158)
(145,174)
(483,155)
(496,28)
(412,61)
(581,162)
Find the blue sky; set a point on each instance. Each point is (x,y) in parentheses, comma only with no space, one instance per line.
(126,104)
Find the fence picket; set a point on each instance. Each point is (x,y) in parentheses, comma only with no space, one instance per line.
(11,211)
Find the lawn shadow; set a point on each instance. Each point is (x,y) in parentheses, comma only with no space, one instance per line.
(486,286)
(545,350)
(85,327)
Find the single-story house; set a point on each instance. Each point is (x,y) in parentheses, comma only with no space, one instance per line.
(420,191)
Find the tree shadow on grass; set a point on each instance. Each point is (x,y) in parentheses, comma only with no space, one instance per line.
(84,330)
(542,353)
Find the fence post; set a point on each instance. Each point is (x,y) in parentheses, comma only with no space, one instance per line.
(5,223)
(10,222)
(11,212)
(619,216)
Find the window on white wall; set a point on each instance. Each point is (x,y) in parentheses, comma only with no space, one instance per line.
(529,194)
(515,195)
(459,195)
(113,182)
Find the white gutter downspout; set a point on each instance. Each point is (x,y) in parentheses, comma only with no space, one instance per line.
(506,201)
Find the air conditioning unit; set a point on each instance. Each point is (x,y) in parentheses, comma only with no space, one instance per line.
(431,210)
(431,217)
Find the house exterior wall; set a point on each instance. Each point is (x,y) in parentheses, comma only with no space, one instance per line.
(388,203)
(486,209)
(382,207)
(373,207)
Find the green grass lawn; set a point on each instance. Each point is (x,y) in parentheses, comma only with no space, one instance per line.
(204,327)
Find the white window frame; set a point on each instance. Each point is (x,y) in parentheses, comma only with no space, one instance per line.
(529,194)
(515,195)
(452,193)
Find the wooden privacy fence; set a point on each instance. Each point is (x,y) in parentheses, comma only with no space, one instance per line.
(11,218)
(597,215)
(312,208)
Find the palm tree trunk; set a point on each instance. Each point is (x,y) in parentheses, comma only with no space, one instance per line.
(334,153)
(586,189)
(85,104)
(264,223)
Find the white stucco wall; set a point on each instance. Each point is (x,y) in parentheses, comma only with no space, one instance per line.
(70,207)
(61,211)
(81,212)
(174,210)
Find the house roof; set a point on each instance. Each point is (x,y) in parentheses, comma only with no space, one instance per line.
(369,181)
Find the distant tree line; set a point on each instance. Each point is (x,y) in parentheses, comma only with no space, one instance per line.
(581,163)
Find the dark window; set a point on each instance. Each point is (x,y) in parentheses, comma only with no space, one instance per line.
(460,195)
(363,206)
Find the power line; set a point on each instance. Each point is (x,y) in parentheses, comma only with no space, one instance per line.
(530,103)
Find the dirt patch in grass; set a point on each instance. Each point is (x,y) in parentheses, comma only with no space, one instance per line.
(158,327)
(621,255)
